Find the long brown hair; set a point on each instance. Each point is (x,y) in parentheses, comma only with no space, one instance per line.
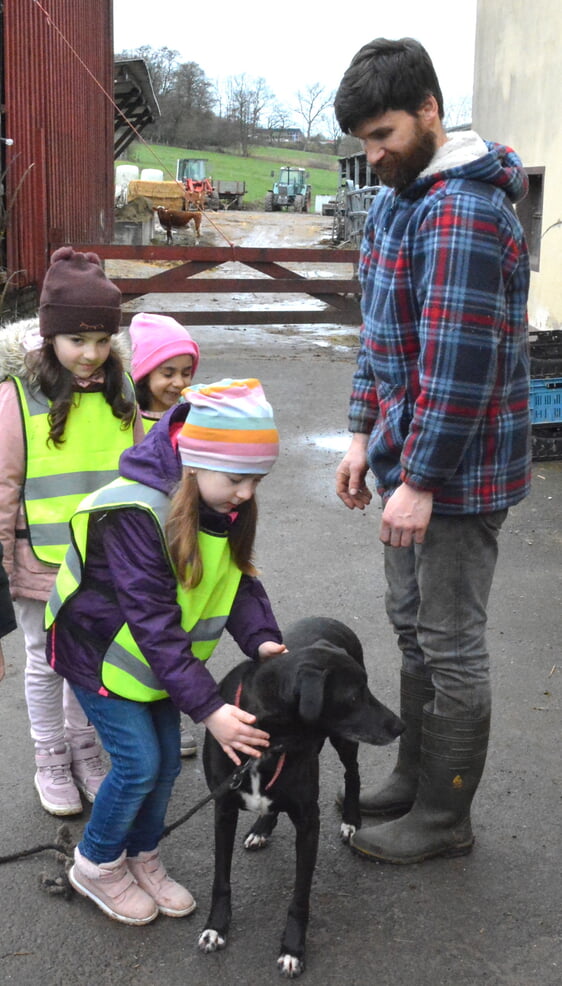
(56,382)
(182,528)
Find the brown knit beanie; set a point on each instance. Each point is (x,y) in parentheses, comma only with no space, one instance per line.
(77,296)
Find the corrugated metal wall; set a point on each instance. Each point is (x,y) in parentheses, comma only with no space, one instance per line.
(59,171)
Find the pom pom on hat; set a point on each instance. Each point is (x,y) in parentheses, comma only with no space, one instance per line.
(229,428)
(156,338)
(77,296)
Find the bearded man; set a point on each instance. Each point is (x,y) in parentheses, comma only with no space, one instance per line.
(439,412)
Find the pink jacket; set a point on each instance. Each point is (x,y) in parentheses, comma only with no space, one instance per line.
(29,577)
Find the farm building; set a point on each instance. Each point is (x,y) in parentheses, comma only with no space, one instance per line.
(516,101)
(63,103)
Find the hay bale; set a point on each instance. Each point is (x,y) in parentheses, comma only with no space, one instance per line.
(168,194)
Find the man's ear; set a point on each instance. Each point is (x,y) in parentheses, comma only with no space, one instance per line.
(429,110)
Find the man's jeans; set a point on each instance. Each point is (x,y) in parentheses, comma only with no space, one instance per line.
(143,741)
(437,599)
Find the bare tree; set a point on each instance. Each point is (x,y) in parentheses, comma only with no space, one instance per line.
(311,105)
(333,131)
(247,100)
(458,113)
(188,107)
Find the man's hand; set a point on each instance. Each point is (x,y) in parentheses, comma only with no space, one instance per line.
(406,517)
(351,472)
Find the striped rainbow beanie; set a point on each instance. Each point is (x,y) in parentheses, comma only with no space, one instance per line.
(230,428)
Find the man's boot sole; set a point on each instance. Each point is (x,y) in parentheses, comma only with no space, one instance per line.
(446,853)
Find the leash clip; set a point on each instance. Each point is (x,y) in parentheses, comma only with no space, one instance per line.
(238,775)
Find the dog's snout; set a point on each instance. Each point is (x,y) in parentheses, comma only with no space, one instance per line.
(395,726)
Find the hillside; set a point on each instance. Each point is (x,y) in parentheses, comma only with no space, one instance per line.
(255,170)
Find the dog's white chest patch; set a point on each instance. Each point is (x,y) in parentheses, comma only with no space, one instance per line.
(254,800)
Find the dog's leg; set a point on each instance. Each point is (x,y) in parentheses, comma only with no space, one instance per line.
(260,832)
(306,820)
(351,816)
(216,930)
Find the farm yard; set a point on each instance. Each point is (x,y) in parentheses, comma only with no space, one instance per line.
(489,917)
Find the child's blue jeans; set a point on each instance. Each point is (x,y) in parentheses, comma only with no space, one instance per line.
(143,741)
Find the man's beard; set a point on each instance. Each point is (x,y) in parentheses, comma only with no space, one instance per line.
(400,169)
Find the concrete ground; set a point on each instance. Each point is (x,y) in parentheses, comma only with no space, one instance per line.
(491,917)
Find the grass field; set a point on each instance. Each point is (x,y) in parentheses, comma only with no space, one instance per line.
(255,170)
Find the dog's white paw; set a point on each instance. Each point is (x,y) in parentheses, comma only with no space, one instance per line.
(254,841)
(289,966)
(346,831)
(210,940)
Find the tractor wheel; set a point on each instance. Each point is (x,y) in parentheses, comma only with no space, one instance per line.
(299,203)
(269,202)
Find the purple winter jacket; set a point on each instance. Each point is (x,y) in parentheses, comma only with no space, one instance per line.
(127,577)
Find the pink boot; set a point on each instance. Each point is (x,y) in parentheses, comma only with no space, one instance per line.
(54,783)
(88,768)
(113,888)
(172,899)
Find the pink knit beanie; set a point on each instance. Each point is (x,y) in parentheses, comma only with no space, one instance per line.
(229,428)
(156,338)
(77,296)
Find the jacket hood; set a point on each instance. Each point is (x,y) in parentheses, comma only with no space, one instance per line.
(496,165)
(20,338)
(155,461)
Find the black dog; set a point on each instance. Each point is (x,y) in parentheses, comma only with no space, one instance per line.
(317,690)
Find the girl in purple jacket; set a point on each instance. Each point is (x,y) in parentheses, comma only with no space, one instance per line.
(161,562)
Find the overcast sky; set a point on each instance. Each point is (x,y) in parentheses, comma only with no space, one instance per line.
(295,44)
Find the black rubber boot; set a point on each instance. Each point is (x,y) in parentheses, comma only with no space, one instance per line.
(396,796)
(453,754)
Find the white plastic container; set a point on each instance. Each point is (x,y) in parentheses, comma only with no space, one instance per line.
(151,174)
(124,173)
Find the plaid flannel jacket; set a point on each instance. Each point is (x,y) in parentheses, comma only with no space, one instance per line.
(442,378)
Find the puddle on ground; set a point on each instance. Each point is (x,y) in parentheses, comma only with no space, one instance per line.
(338,442)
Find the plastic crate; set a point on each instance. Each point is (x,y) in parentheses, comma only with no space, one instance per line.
(546,400)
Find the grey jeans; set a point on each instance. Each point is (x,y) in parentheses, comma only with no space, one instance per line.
(437,600)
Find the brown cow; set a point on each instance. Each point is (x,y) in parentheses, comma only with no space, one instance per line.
(170,220)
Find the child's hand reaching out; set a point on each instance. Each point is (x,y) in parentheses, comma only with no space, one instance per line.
(232,728)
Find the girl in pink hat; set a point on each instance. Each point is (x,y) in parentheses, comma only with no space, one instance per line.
(164,361)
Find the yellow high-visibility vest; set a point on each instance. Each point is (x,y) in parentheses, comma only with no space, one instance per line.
(205,608)
(58,479)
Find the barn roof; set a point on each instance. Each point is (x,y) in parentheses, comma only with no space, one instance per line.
(134,95)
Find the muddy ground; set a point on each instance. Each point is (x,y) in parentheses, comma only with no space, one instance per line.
(490,918)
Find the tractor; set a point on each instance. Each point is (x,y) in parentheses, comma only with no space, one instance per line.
(199,189)
(289,191)
(202,190)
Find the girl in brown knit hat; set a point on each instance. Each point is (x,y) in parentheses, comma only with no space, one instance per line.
(67,411)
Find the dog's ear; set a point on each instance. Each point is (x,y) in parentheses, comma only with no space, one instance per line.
(311,693)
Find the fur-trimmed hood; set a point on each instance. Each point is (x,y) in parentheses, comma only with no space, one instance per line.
(19,338)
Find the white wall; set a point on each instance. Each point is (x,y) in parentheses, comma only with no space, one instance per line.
(517,101)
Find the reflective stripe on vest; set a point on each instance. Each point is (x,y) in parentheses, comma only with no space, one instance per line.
(205,608)
(58,479)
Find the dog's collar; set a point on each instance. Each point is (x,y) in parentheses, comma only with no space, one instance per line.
(283,755)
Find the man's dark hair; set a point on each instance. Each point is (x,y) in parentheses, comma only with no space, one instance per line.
(386,75)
